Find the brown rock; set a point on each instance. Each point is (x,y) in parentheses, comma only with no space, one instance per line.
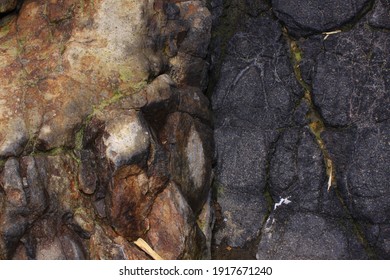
(173,232)
(190,144)
(68,58)
(7,5)
(90,93)
(106,245)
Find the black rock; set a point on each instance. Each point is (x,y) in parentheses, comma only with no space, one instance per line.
(307,17)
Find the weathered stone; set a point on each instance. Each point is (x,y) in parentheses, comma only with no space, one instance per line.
(306,17)
(87,177)
(240,193)
(298,173)
(86,89)
(161,101)
(70,69)
(195,103)
(307,236)
(361,156)
(190,146)
(15,141)
(189,70)
(106,245)
(130,200)
(354,73)
(173,232)
(7,5)
(380,16)
(206,222)
(126,139)
(253,99)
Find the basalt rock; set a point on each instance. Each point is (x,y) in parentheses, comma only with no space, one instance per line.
(107,134)
(301,131)
(307,17)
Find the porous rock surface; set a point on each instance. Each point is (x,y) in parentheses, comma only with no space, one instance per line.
(108,135)
(301,100)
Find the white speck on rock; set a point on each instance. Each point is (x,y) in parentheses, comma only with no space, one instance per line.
(127,138)
(282,201)
(45,130)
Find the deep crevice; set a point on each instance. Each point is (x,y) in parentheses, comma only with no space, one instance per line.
(317,126)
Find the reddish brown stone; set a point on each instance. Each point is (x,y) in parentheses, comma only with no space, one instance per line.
(173,233)
(131,197)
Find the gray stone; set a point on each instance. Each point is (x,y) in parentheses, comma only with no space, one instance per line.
(7,5)
(380,15)
(361,74)
(361,157)
(289,235)
(297,173)
(254,98)
(306,17)
(15,139)
(86,176)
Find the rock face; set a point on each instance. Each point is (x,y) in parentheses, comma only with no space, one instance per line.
(218,129)
(300,110)
(306,17)
(91,94)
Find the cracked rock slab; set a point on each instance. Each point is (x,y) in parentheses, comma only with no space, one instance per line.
(306,17)
(254,97)
(307,236)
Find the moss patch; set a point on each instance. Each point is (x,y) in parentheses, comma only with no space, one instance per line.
(316,123)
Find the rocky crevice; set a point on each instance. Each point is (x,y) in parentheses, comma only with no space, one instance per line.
(317,127)
(313,191)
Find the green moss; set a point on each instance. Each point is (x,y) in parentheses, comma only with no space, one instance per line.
(2,163)
(4,30)
(139,86)
(118,95)
(75,157)
(217,189)
(79,139)
(316,123)
(125,74)
(53,152)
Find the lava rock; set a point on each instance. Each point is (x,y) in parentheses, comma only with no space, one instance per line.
(380,16)
(254,98)
(299,235)
(355,68)
(307,17)
(298,173)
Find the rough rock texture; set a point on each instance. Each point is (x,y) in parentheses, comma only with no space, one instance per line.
(306,17)
(107,133)
(7,5)
(301,130)
(91,93)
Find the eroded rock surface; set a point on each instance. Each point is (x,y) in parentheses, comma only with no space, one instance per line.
(106,132)
(301,130)
(91,158)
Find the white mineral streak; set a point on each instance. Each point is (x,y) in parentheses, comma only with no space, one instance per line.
(282,201)
(195,157)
